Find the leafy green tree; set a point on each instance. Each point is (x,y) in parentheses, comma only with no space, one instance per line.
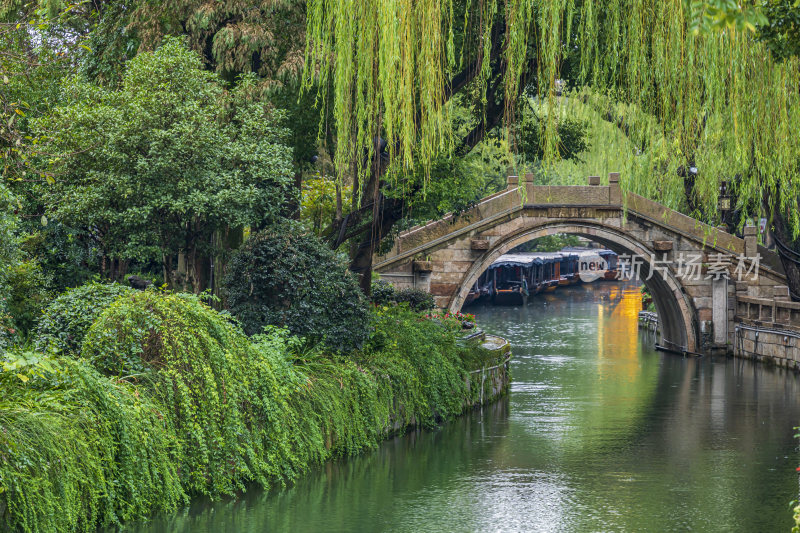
(153,169)
(285,277)
(264,37)
(33,60)
(39,46)
(260,37)
(8,258)
(781,29)
(24,285)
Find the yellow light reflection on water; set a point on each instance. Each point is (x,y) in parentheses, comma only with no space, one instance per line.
(618,329)
(618,390)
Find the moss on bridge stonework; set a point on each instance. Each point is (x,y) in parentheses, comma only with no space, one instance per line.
(168,400)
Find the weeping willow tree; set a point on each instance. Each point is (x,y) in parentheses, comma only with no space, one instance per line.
(693,85)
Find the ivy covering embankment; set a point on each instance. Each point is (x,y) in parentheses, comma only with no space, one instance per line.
(168,399)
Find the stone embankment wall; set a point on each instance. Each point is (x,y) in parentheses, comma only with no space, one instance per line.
(768,330)
(492,381)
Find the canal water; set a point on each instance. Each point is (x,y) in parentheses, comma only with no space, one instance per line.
(599,433)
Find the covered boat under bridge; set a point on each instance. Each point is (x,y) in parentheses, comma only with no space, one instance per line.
(514,277)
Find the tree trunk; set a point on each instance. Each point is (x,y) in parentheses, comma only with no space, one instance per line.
(198,259)
(123,268)
(388,212)
(166,262)
(292,209)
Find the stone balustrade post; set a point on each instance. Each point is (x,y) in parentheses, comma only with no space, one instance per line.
(750,241)
(614,192)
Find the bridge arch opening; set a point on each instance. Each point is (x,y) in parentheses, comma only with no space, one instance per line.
(679,328)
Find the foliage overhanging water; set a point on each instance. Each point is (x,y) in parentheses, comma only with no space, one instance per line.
(600,433)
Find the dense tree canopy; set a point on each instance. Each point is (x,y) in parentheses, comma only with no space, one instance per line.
(693,87)
(411,108)
(154,168)
(384,85)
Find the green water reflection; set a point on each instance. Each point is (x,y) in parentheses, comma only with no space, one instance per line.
(599,433)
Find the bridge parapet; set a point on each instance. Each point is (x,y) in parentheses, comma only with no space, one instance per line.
(679,223)
(446,256)
(768,328)
(587,202)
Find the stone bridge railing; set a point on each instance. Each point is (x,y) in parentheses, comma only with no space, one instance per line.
(768,329)
(557,201)
(446,256)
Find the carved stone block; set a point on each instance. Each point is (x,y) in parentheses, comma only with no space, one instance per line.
(423,266)
(479,244)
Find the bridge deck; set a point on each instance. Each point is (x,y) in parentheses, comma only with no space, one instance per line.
(573,202)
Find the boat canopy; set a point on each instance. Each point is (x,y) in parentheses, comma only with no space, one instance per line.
(528,259)
(602,252)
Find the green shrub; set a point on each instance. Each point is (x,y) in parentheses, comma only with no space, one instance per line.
(418,300)
(204,409)
(79,450)
(284,277)
(383,293)
(220,392)
(27,295)
(69,316)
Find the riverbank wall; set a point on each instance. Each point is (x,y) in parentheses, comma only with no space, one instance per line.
(492,380)
(767,330)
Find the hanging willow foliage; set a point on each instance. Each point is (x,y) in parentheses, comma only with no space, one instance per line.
(711,98)
(389,63)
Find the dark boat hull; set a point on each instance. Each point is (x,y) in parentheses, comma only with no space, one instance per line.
(510,297)
(611,275)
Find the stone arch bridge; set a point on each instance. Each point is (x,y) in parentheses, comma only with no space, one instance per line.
(696,313)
